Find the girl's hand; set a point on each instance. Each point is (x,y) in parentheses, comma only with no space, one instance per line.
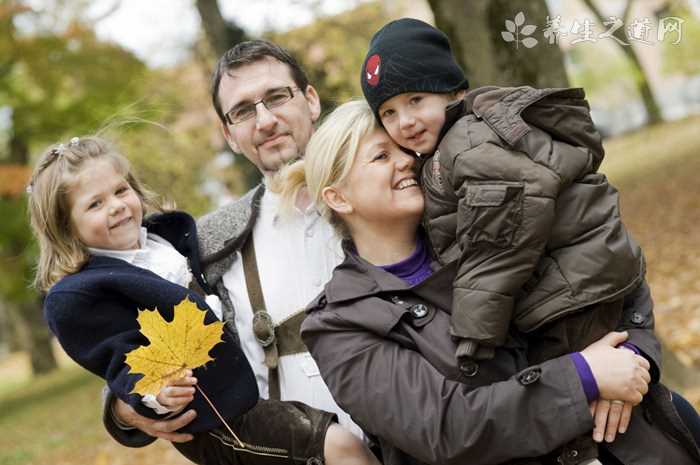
(619,373)
(178,393)
(610,418)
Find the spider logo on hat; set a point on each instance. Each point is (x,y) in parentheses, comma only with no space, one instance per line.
(372,70)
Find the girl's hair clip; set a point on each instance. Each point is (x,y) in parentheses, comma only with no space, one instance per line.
(29,189)
(55,152)
(62,148)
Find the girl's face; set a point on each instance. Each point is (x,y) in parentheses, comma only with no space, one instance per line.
(105,211)
(382,187)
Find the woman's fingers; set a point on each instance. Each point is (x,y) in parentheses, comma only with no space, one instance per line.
(614,416)
(625,418)
(600,419)
(592,407)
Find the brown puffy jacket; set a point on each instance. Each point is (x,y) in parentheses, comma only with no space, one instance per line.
(513,193)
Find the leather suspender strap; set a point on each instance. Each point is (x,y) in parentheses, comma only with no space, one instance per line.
(276,341)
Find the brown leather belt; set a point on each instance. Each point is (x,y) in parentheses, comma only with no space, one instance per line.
(276,340)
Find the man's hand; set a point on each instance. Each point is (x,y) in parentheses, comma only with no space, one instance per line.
(163,429)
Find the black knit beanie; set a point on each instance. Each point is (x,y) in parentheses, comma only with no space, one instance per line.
(408,55)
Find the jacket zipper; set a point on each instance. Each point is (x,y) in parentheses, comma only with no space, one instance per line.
(251,448)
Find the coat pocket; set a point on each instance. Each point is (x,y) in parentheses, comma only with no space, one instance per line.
(493,212)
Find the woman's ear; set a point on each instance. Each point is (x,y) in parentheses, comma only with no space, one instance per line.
(336,201)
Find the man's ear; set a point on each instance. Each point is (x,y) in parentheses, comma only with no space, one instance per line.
(336,201)
(314,102)
(229,137)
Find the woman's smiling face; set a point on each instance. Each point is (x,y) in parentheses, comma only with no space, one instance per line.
(382,186)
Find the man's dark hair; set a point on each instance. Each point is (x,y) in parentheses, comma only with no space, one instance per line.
(249,52)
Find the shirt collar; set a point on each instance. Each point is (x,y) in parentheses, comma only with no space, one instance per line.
(127,255)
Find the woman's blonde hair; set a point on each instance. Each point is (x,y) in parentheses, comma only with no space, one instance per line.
(329,156)
(55,173)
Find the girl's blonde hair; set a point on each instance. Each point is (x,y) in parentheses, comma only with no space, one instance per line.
(55,173)
(329,155)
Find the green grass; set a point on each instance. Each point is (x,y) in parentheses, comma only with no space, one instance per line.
(49,415)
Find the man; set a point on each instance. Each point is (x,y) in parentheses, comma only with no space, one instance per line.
(265,271)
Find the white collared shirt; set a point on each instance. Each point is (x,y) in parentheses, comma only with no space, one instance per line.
(295,258)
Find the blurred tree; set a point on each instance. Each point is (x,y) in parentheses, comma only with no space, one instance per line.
(652,108)
(475,28)
(683,57)
(332,49)
(221,34)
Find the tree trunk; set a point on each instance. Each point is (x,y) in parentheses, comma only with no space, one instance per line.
(652,108)
(221,34)
(475,29)
(39,344)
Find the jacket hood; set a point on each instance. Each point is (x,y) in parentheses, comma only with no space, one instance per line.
(563,113)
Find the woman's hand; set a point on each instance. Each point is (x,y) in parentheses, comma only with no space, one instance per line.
(619,373)
(610,418)
(178,393)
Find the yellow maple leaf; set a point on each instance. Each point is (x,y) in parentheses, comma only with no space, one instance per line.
(174,347)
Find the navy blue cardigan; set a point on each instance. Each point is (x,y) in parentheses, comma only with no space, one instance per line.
(93,315)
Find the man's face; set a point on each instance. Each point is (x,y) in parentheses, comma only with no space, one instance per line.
(272,137)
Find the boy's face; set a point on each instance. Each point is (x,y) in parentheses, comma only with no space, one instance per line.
(414,120)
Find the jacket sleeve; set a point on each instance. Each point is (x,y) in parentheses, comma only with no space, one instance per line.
(505,213)
(98,342)
(638,321)
(394,393)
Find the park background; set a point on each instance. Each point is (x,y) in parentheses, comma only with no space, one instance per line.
(140,71)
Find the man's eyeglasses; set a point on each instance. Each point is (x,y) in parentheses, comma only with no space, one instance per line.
(275,98)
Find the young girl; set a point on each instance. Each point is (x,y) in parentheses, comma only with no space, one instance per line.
(101,262)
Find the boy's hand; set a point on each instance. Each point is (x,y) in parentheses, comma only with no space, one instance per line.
(178,393)
(610,418)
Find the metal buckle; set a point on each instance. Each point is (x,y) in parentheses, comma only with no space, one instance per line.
(263,328)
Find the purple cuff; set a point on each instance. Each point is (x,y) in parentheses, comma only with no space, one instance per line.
(590,387)
(631,347)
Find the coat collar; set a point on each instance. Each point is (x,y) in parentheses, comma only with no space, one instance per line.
(219,248)
(501,107)
(357,278)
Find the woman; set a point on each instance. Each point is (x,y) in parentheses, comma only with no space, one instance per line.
(380,334)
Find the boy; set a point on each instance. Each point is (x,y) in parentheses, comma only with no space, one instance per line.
(512,191)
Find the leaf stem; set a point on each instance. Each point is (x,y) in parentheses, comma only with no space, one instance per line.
(241,443)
